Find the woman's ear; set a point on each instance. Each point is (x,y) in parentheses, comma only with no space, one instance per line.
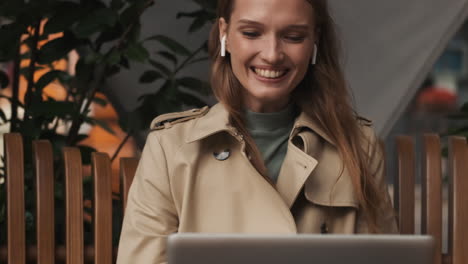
(223,26)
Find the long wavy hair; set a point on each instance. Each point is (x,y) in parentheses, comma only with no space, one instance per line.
(322,94)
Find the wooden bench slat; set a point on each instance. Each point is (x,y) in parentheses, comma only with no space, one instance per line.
(431,220)
(458,200)
(14,162)
(128,168)
(45,222)
(102,174)
(404,184)
(74,205)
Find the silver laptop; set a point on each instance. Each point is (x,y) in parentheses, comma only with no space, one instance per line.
(299,249)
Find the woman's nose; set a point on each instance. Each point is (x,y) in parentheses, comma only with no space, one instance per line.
(272,52)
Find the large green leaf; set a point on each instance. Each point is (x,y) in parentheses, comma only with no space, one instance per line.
(171,44)
(195,85)
(137,52)
(50,77)
(110,34)
(169,56)
(57,49)
(51,109)
(191,100)
(9,40)
(207,4)
(66,14)
(150,76)
(100,101)
(198,23)
(193,14)
(200,18)
(83,74)
(95,22)
(160,67)
(101,123)
(117,4)
(132,13)
(113,57)
(11,8)
(4,80)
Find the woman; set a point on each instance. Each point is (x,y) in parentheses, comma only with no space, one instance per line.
(283,151)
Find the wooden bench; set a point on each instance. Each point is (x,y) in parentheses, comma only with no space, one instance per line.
(431,198)
(102,252)
(75,251)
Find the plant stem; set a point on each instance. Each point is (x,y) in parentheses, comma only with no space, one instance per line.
(32,66)
(187,60)
(15,90)
(119,148)
(78,120)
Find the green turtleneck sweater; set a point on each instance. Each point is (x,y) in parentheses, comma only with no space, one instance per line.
(270,131)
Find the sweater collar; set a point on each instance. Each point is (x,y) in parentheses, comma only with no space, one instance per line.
(217,120)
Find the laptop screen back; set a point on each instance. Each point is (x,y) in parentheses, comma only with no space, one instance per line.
(299,249)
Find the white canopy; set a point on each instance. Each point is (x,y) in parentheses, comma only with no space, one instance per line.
(390,47)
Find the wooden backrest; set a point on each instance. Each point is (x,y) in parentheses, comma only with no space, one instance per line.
(432,184)
(46,250)
(404,184)
(102,175)
(73,206)
(458,201)
(14,160)
(102,252)
(45,210)
(431,198)
(128,168)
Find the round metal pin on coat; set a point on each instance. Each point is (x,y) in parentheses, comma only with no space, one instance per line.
(223,155)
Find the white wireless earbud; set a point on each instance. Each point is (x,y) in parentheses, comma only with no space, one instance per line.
(223,46)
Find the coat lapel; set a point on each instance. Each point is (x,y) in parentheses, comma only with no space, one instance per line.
(296,168)
(315,165)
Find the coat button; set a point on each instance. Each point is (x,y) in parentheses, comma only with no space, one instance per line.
(223,155)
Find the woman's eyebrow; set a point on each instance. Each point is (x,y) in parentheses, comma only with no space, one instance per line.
(299,27)
(249,22)
(293,26)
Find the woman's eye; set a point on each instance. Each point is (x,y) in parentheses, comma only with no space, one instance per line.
(250,34)
(295,38)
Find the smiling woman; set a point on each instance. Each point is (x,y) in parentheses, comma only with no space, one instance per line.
(269,57)
(283,151)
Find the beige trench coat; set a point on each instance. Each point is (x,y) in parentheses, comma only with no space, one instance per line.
(180,186)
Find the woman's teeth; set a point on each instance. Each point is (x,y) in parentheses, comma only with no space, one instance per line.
(268,73)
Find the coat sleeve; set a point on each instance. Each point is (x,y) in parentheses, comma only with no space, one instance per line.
(150,215)
(386,221)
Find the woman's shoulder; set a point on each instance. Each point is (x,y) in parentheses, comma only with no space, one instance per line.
(168,120)
(174,127)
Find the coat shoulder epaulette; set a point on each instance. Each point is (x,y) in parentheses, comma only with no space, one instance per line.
(168,120)
(364,121)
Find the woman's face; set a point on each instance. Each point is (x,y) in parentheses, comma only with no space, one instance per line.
(270,43)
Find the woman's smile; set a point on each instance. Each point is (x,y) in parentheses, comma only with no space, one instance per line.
(269,75)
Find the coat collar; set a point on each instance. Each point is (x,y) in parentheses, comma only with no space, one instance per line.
(217,120)
(316,167)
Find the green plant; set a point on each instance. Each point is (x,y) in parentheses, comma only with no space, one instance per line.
(175,91)
(106,36)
